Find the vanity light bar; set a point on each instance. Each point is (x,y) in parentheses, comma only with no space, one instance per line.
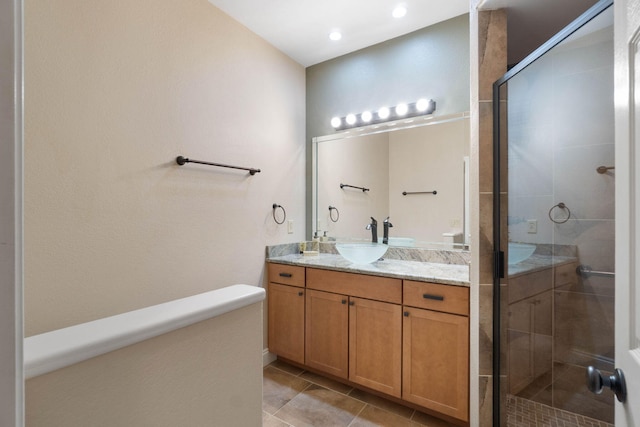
(421,107)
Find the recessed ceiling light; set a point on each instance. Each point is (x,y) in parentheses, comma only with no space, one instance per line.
(335,35)
(399,11)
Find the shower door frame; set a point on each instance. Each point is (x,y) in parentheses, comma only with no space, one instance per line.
(498,253)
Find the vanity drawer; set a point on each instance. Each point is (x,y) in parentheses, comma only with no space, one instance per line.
(286,274)
(433,296)
(357,285)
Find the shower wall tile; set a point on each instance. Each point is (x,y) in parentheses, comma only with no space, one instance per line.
(595,241)
(593,285)
(577,58)
(588,194)
(486,146)
(531,161)
(578,99)
(530,94)
(492,48)
(486,238)
(485,346)
(485,342)
(522,209)
(584,325)
(492,64)
(570,393)
(486,400)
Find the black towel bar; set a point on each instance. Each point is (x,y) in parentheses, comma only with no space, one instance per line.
(182,160)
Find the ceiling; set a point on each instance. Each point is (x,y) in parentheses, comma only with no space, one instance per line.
(300,28)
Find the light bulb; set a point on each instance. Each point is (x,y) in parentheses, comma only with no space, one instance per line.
(335,35)
(422,105)
(351,119)
(399,11)
(384,112)
(402,109)
(366,116)
(336,122)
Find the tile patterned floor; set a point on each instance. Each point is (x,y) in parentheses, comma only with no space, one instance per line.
(293,397)
(524,413)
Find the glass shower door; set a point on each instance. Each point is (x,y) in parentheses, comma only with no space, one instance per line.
(557,140)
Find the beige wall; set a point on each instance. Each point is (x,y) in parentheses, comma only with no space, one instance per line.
(426,159)
(113,93)
(188,377)
(362,162)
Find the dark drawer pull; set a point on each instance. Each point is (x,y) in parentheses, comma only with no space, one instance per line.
(286,275)
(434,297)
(300,293)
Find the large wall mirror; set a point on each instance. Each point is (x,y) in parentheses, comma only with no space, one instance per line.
(413,171)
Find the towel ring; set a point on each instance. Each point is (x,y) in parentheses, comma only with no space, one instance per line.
(560,205)
(276,206)
(331,209)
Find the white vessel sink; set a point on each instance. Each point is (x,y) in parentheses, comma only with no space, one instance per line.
(362,253)
(519,252)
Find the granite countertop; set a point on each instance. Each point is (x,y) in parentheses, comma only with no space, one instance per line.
(537,263)
(450,274)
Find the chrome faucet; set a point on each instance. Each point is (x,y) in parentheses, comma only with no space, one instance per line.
(374,230)
(386,225)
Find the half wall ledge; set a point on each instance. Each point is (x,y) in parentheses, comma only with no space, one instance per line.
(57,349)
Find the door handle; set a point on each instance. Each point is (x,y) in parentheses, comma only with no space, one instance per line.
(596,382)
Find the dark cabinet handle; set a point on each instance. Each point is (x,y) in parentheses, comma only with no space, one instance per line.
(300,293)
(596,382)
(433,297)
(286,275)
(406,314)
(352,303)
(344,301)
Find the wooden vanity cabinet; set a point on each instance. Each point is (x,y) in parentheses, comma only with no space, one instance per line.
(361,328)
(286,305)
(327,329)
(436,347)
(375,345)
(406,339)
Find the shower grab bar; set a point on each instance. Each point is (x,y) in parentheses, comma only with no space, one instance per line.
(404,193)
(182,160)
(353,186)
(586,271)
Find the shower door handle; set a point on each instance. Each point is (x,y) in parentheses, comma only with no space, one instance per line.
(596,382)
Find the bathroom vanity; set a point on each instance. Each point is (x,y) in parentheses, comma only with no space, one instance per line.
(397,328)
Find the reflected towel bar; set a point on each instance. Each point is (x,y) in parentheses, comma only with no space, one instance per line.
(404,193)
(182,160)
(352,186)
(586,271)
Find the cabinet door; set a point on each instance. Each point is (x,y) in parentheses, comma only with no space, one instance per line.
(436,361)
(326,340)
(375,345)
(286,321)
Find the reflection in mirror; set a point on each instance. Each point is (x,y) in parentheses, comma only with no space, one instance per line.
(419,158)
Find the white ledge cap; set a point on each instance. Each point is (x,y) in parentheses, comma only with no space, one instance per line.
(63,347)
